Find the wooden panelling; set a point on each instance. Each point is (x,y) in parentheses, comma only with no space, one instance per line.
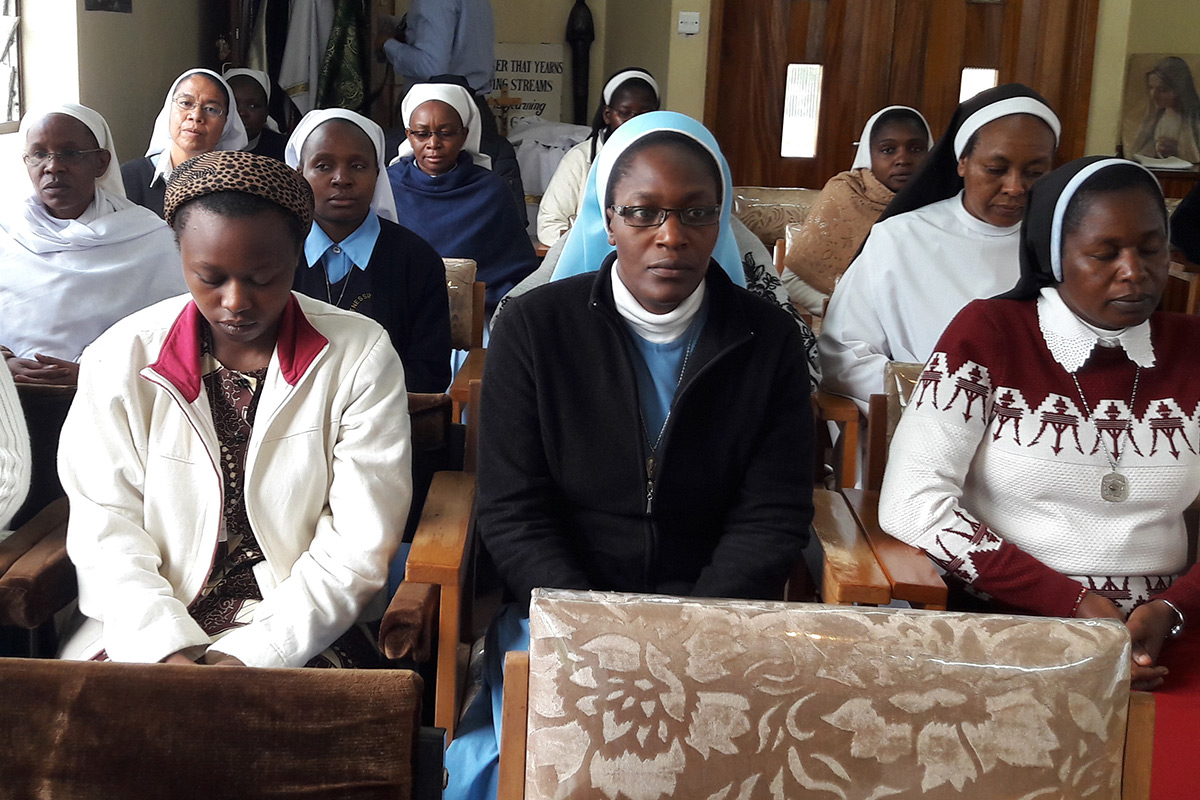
(879,52)
(985,24)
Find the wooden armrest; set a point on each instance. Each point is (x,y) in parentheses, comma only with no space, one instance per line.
(409,624)
(438,553)
(836,408)
(514,723)
(36,576)
(471,370)
(851,573)
(1139,747)
(909,571)
(844,412)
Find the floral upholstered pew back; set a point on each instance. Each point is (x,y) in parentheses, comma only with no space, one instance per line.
(768,210)
(647,697)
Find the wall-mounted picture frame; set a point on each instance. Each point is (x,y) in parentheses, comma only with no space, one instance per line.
(1160,117)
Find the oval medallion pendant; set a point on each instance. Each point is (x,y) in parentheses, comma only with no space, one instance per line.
(1114,487)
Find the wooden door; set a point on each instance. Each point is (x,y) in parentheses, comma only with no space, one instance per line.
(881,52)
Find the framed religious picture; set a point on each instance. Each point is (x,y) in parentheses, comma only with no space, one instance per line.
(1160,116)
(121,6)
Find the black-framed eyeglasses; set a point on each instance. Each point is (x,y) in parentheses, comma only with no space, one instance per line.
(442,136)
(652,216)
(188,104)
(39,157)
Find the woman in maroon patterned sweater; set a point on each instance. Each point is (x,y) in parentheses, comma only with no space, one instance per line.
(1051,445)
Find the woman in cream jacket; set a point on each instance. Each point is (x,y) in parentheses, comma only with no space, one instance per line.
(237,460)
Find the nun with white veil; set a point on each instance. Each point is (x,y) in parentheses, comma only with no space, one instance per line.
(448,195)
(891,148)
(75,255)
(199,115)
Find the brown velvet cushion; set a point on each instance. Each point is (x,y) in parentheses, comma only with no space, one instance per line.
(36,577)
(73,730)
(649,697)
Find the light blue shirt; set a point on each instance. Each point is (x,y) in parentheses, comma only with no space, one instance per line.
(447,36)
(338,257)
(659,372)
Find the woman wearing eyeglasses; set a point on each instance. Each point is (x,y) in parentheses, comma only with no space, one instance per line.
(645,421)
(447,194)
(75,255)
(198,116)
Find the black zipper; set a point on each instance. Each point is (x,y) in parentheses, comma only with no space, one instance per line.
(652,464)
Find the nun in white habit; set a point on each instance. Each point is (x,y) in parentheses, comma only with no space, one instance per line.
(627,94)
(950,236)
(75,254)
(198,116)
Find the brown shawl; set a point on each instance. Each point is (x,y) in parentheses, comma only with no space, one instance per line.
(821,249)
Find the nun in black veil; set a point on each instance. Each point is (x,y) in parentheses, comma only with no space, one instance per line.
(1050,449)
(948,237)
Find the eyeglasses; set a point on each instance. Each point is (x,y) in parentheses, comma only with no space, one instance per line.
(39,157)
(442,136)
(652,217)
(188,104)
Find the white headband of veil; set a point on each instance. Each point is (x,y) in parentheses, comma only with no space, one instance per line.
(1005,108)
(615,82)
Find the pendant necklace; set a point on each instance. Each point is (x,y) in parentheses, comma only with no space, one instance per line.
(1114,487)
(329,289)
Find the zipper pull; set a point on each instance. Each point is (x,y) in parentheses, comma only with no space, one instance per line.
(649,484)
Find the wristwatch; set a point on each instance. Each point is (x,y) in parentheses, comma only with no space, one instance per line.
(1176,629)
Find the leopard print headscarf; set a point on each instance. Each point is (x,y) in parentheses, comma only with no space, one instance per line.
(237,171)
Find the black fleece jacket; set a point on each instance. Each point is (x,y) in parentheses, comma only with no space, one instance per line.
(564,497)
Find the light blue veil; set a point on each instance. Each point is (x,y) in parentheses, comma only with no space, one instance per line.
(587,242)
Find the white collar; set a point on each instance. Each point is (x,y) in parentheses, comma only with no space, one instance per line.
(974,223)
(1071,340)
(163,168)
(655,328)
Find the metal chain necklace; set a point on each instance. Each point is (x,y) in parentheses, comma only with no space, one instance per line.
(329,289)
(1114,487)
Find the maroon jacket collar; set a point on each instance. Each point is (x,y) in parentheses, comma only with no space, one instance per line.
(298,344)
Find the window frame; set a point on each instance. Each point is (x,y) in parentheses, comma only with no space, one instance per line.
(14,125)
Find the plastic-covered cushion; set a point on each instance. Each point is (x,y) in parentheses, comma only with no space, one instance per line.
(647,697)
(899,380)
(767,210)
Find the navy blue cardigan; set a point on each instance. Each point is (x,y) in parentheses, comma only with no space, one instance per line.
(404,290)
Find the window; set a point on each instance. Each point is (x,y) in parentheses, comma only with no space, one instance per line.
(10,65)
(976,80)
(801,110)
